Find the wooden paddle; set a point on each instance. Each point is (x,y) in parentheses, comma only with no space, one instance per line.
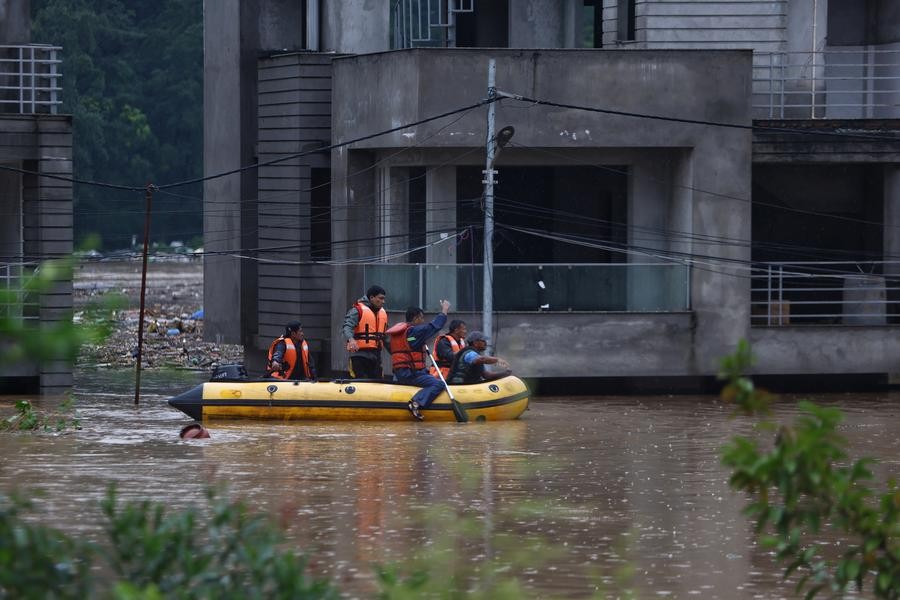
(459,411)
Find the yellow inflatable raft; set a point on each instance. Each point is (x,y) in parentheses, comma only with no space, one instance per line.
(346,400)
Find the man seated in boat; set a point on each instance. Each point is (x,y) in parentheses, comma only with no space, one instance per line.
(289,356)
(446,346)
(364,331)
(469,363)
(406,341)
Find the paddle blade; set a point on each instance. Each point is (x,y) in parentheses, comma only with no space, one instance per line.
(459,411)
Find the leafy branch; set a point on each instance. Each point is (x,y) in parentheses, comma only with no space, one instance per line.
(799,491)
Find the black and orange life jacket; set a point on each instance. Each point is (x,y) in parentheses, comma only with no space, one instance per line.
(402,355)
(289,360)
(440,362)
(370,331)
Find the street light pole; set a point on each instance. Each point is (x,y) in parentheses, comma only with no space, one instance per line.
(488,181)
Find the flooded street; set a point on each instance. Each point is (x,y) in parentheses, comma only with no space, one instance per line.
(601,483)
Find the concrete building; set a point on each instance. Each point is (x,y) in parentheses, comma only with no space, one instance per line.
(37,212)
(625,246)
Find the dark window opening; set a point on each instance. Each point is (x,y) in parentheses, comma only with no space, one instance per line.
(416,212)
(486,27)
(793,221)
(592,24)
(863,22)
(585,202)
(574,201)
(626,20)
(320,214)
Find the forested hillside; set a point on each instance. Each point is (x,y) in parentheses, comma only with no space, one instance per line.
(133,80)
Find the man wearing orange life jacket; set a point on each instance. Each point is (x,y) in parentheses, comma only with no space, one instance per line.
(407,342)
(364,331)
(446,346)
(289,356)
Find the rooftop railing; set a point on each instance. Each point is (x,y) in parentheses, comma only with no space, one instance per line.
(826,293)
(576,287)
(831,84)
(30,79)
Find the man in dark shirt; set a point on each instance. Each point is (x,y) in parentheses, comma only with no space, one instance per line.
(407,341)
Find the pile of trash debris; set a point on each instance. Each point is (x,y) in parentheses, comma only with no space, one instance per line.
(173,317)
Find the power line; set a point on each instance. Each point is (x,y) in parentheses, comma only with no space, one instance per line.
(751,127)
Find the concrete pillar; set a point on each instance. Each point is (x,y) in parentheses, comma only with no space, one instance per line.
(680,218)
(892,234)
(440,213)
(648,199)
(355,26)
(15,23)
(229,141)
(537,23)
(392,211)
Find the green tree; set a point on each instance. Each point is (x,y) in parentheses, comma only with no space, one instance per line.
(132,80)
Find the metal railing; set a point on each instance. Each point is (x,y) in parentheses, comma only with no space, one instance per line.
(832,84)
(15,301)
(576,287)
(826,293)
(421,22)
(30,79)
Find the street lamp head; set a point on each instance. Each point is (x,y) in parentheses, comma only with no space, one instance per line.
(504,135)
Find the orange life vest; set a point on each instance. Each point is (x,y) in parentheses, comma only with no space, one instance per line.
(289,360)
(402,355)
(444,364)
(369,332)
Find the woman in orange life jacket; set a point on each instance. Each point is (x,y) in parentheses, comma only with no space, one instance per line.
(446,346)
(364,331)
(289,356)
(408,355)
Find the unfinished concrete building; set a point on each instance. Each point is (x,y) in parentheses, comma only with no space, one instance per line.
(625,246)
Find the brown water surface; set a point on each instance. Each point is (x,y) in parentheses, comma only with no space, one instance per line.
(621,481)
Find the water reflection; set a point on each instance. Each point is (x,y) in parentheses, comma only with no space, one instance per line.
(630,481)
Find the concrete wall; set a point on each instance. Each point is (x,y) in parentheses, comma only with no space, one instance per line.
(377,92)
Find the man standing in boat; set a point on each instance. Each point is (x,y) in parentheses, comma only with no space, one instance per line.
(469,363)
(364,331)
(289,356)
(446,346)
(408,355)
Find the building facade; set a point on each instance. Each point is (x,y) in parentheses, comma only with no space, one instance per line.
(37,211)
(681,175)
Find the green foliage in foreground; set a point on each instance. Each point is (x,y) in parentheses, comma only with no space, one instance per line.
(154,553)
(802,487)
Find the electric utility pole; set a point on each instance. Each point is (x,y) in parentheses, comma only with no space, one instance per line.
(488,181)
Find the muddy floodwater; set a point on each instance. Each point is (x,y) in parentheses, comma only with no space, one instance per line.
(611,485)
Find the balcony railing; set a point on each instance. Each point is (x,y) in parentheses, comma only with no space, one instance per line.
(15,301)
(630,287)
(30,79)
(831,84)
(826,293)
